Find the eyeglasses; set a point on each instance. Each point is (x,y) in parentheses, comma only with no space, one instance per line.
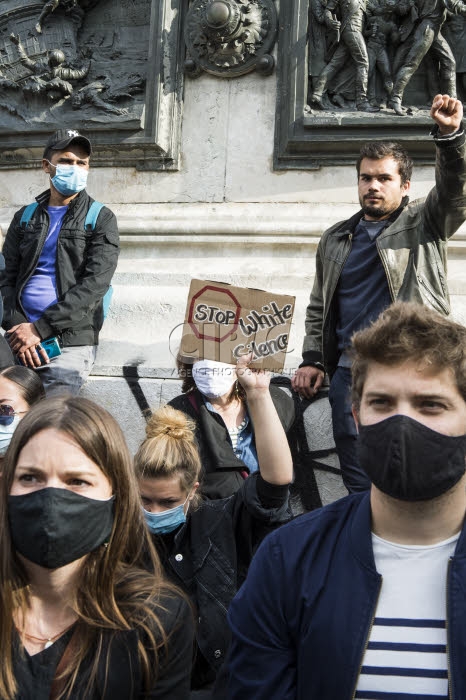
(8,413)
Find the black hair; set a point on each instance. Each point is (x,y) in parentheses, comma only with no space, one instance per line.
(28,381)
(376,150)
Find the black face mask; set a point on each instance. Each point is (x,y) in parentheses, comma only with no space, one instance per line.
(409,461)
(53,527)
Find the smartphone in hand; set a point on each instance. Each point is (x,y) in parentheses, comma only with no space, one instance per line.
(51,347)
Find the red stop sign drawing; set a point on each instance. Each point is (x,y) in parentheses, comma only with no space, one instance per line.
(234,313)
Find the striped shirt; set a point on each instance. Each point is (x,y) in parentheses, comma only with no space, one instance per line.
(406,654)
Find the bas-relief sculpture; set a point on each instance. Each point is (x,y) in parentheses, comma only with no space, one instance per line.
(384,56)
(94,64)
(66,55)
(228,38)
(454,31)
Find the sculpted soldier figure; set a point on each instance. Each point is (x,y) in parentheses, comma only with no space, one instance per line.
(455,33)
(379,31)
(385,27)
(346,17)
(427,37)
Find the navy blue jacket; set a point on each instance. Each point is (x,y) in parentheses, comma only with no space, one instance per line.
(301,622)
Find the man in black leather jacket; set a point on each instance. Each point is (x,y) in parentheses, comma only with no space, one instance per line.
(390,250)
(58,269)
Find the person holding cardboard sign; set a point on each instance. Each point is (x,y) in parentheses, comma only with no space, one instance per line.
(206,546)
(218,404)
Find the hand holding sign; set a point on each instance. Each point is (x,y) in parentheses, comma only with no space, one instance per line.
(251,379)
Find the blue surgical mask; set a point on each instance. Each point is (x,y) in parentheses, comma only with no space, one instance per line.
(167,520)
(69,179)
(6,432)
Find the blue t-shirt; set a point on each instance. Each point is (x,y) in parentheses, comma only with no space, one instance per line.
(40,291)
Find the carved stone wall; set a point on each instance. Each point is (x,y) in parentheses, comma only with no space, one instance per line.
(354,70)
(229,38)
(109,67)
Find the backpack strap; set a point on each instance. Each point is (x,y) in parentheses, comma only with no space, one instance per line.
(91,216)
(89,225)
(27,214)
(106,301)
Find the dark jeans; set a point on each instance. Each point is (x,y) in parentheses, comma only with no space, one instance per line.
(344,431)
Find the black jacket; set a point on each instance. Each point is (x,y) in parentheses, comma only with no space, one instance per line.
(86,261)
(34,674)
(412,249)
(222,468)
(210,556)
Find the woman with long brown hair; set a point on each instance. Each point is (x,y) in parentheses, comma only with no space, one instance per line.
(79,616)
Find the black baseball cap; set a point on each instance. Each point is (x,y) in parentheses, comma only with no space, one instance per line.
(62,138)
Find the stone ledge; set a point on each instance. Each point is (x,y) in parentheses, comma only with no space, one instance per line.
(296,223)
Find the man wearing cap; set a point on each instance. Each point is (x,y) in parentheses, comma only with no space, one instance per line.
(58,269)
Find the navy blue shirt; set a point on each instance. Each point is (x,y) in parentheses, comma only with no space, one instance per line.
(362,292)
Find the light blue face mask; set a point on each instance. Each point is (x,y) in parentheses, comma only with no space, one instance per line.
(69,179)
(167,520)
(6,433)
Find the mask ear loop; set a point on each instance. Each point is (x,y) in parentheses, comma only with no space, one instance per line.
(53,166)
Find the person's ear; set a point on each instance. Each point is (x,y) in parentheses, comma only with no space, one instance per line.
(355,412)
(405,187)
(46,166)
(193,490)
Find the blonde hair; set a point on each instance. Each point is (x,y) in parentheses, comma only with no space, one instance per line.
(169,449)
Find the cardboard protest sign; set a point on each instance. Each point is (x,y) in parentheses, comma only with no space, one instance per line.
(223,322)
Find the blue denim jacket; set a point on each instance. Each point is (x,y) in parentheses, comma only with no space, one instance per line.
(246,447)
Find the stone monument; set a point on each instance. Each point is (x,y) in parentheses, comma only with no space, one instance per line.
(95,64)
(378,55)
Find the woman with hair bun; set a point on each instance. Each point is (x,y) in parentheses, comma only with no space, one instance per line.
(206,545)
(81,618)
